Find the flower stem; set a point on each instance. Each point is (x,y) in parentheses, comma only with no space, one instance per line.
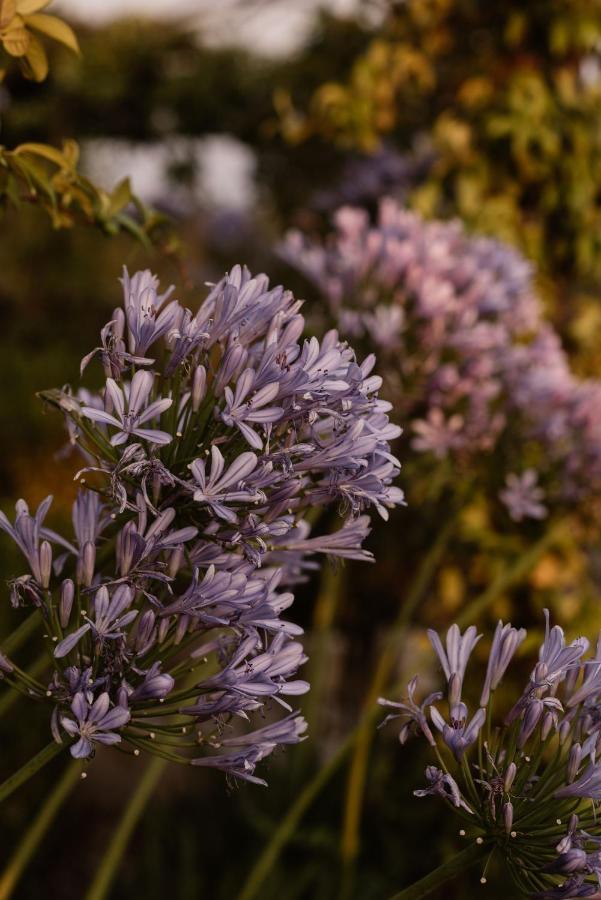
(359,763)
(10,697)
(109,865)
(36,831)
(288,824)
(510,576)
(455,866)
(29,769)
(20,634)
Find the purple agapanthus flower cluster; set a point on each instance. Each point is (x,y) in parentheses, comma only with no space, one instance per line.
(517,776)
(467,357)
(215,441)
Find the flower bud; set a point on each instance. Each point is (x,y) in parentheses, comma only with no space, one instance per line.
(508,816)
(532,715)
(547,725)
(66,602)
(45,563)
(144,639)
(163,629)
(175,561)
(509,777)
(5,664)
(182,627)
(564,730)
(199,387)
(574,760)
(87,561)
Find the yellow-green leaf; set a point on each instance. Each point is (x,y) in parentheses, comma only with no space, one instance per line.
(28,7)
(45,151)
(54,28)
(37,59)
(8,10)
(120,197)
(71,152)
(15,39)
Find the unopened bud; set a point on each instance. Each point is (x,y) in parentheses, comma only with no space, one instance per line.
(547,725)
(564,730)
(182,627)
(530,721)
(163,629)
(66,602)
(87,561)
(574,760)
(509,777)
(508,816)
(199,387)
(175,561)
(5,664)
(45,563)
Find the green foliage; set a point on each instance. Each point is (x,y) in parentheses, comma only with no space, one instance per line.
(509,96)
(48,177)
(19,20)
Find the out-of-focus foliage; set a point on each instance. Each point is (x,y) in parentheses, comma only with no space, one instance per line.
(149,82)
(44,175)
(48,177)
(508,95)
(19,20)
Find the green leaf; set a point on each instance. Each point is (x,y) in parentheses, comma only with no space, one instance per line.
(8,10)
(36,59)
(54,28)
(120,197)
(45,151)
(27,7)
(15,39)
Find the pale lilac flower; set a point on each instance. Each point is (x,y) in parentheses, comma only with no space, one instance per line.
(506,641)
(414,713)
(523,497)
(224,485)
(443,785)
(148,314)
(128,424)
(241,408)
(94,723)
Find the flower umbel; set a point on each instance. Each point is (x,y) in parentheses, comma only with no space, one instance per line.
(522,778)
(212,437)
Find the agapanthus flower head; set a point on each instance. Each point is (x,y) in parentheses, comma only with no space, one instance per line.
(520,778)
(466,355)
(213,436)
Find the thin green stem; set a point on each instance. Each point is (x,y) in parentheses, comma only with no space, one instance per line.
(289,823)
(509,576)
(359,764)
(36,831)
(459,863)
(106,872)
(20,634)
(29,769)
(9,698)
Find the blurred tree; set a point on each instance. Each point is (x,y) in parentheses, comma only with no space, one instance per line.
(508,97)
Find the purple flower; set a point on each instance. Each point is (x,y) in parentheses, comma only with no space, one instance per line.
(241,408)
(94,723)
(522,496)
(224,486)
(414,713)
(443,785)
(148,314)
(138,411)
